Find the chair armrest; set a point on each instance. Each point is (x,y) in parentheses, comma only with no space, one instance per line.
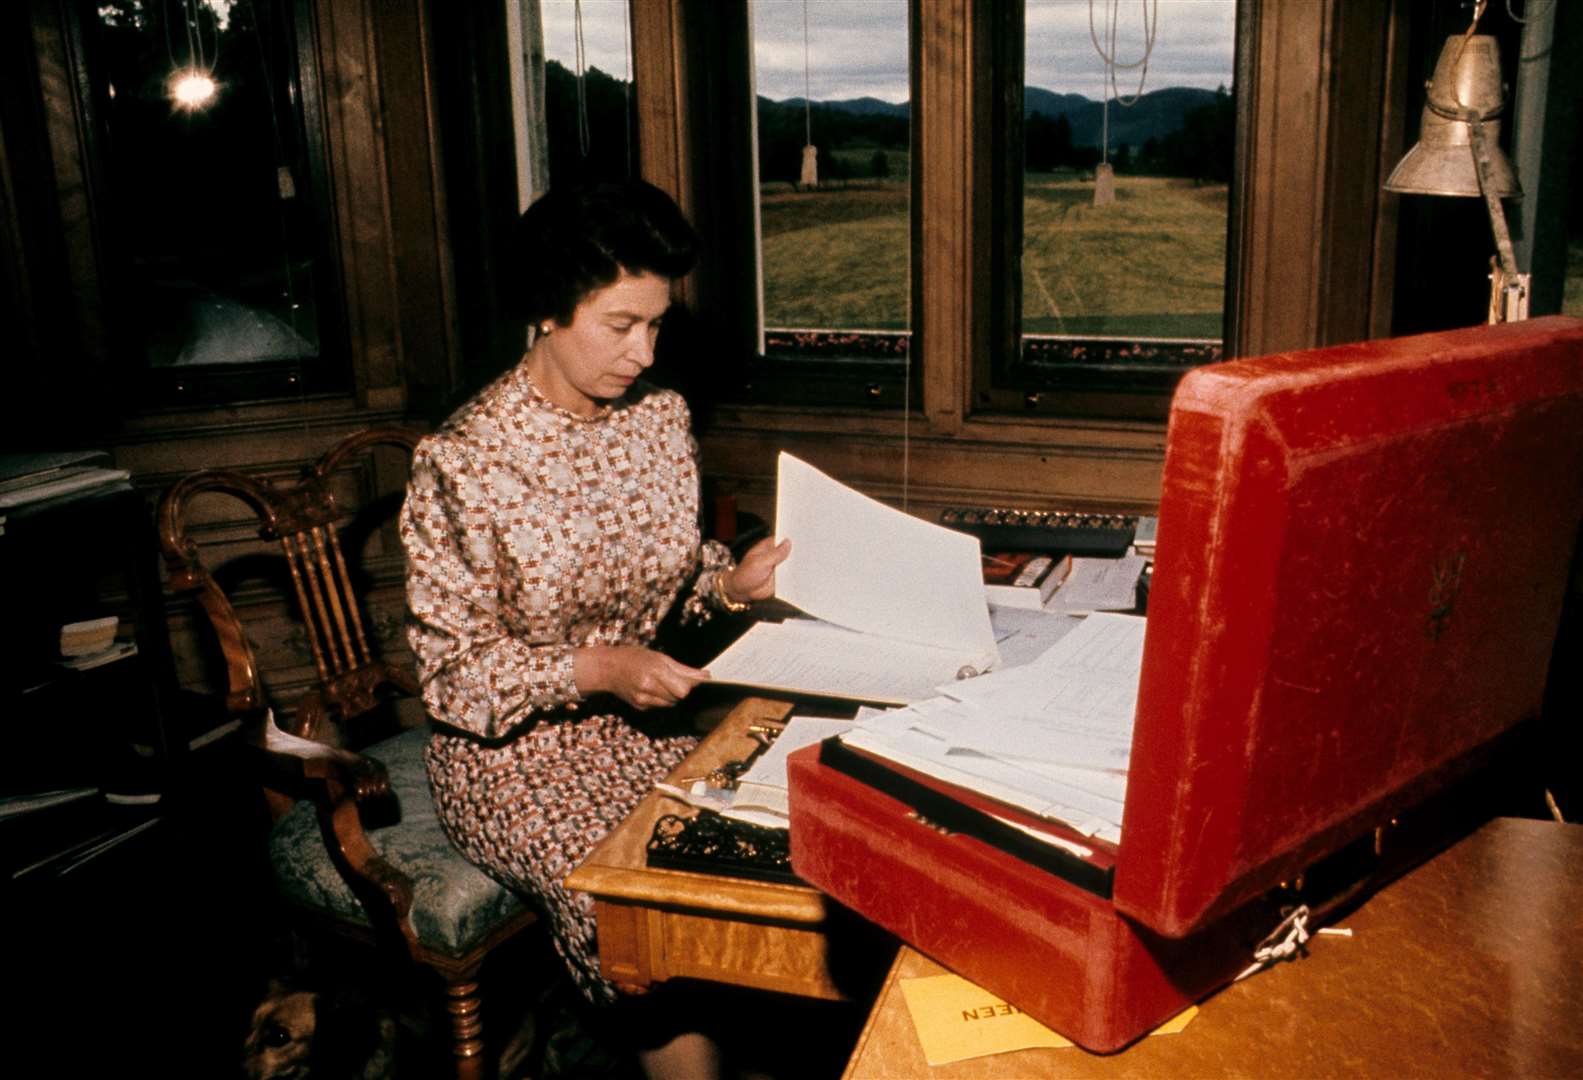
(345,788)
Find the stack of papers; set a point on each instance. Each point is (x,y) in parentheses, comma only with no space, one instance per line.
(1052,737)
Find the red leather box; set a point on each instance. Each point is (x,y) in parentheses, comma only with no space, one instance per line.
(1362,557)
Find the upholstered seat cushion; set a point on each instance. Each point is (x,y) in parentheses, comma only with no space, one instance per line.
(454,905)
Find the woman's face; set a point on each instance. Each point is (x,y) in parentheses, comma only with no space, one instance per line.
(608,343)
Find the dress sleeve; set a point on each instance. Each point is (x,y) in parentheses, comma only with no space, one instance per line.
(704,598)
(475,674)
(714,558)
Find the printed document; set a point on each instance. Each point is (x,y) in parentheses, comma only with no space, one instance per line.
(1053,736)
(897,603)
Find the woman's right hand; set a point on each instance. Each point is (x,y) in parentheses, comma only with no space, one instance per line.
(641,677)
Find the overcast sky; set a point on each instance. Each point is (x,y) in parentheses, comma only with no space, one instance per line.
(858,48)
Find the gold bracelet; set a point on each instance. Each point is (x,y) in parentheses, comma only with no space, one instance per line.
(736,607)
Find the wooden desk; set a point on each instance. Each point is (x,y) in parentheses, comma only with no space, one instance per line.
(657,924)
(1471,965)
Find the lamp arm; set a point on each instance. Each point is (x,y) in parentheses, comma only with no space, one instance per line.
(1508,286)
(1484,166)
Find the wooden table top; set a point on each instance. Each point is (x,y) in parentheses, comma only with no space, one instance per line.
(1470,965)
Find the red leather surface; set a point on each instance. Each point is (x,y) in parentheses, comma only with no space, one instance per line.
(1362,555)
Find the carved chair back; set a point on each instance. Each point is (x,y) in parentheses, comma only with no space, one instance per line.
(302,517)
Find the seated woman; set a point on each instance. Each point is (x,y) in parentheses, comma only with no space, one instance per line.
(550,525)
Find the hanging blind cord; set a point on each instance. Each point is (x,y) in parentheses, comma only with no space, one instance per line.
(626,88)
(807,102)
(582,79)
(1107,53)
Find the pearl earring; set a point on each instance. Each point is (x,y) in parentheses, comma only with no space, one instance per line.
(545,328)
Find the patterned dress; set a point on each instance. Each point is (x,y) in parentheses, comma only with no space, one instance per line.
(530,531)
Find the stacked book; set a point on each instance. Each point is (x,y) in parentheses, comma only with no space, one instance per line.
(1143,539)
(1025,579)
(26,479)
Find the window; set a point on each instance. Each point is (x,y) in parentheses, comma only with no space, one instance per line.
(590,130)
(217,266)
(832,122)
(1128,142)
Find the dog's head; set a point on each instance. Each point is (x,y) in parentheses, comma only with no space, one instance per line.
(279,1044)
(302,1034)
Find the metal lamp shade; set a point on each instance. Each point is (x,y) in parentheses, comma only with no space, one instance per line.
(1466,78)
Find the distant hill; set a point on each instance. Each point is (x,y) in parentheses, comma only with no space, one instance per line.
(1158,113)
(863,106)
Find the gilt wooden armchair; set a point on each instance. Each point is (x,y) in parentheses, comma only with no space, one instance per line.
(356,847)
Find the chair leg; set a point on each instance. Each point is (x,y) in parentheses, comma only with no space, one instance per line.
(464,1004)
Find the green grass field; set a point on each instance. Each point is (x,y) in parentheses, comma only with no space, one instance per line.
(1152,265)
(836,258)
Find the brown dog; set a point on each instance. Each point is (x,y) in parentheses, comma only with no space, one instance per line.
(302,1034)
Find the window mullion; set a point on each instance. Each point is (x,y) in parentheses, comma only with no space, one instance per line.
(946,293)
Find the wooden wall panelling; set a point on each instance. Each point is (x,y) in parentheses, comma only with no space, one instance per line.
(943,211)
(1392,144)
(425,291)
(659,86)
(1275,300)
(1364,142)
(472,143)
(1309,206)
(23,240)
(55,41)
(348,60)
(1101,466)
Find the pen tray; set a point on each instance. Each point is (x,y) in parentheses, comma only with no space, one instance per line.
(707,843)
(1044,531)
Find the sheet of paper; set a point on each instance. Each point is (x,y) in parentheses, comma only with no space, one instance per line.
(800,731)
(1090,814)
(764,786)
(956,1020)
(1027,739)
(860,564)
(810,657)
(1087,682)
(1023,634)
(1100,585)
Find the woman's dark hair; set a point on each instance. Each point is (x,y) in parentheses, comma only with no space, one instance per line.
(575,240)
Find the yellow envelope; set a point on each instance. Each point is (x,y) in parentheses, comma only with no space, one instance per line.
(957,1020)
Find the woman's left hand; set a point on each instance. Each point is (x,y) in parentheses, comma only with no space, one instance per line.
(754,576)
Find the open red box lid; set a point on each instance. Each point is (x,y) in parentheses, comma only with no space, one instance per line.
(1362,556)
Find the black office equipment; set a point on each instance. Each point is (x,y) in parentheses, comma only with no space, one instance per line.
(1044,531)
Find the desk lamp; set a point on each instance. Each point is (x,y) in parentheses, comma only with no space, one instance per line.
(1458,153)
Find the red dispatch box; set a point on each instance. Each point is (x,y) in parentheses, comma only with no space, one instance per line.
(1362,558)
